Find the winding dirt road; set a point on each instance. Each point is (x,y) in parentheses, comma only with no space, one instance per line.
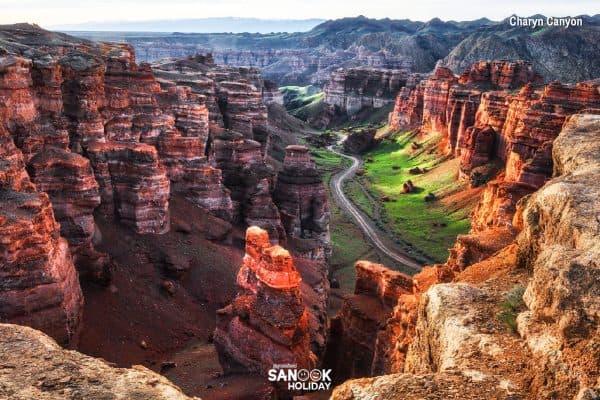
(337,185)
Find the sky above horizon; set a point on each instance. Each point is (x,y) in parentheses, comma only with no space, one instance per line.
(60,12)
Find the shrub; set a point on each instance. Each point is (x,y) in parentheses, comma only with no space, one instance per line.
(511,306)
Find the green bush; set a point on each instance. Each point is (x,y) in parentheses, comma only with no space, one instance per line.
(511,306)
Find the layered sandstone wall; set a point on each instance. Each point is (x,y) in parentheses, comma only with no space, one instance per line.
(353,89)
(302,201)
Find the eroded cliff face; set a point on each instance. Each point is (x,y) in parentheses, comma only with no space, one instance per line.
(352,348)
(447,339)
(302,201)
(560,245)
(353,89)
(54,373)
(90,138)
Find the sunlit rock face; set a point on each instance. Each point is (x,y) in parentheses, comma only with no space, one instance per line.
(40,286)
(302,201)
(267,323)
(559,244)
(355,330)
(449,334)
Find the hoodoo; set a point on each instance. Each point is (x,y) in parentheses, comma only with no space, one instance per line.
(267,322)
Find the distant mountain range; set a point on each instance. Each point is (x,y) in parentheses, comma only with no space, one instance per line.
(198,25)
(568,54)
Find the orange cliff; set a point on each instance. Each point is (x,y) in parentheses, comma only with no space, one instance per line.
(267,323)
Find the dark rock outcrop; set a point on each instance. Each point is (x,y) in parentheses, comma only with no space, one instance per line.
(302,201)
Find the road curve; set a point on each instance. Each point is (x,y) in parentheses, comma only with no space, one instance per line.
(337,184)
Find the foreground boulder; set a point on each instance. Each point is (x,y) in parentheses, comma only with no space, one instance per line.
(35,367)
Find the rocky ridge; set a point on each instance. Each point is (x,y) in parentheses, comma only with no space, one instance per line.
(54,373)
(447,340)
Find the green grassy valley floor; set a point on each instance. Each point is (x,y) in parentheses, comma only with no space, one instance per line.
(349,244)
(429,227)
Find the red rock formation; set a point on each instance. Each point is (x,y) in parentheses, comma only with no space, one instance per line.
(249,178)
(408,108)
(12,166)
(478,145)
(69,181)
(267,322)
(40,287)
(355,88)
(492,113)
(501,73)
(302,201)
(133,184)
(435,99)
(355,329)
(462,107)
(243,111)
(530,136)
(83,96)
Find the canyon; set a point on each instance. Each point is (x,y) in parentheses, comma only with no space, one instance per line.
(102,158)
(173,215)
(310,57)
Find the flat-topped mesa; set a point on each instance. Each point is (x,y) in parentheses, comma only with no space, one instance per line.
(69,181)
(133,184)
(355,329)
(353,89)
(302,201)
(40,287)
(503,74)
(267,322)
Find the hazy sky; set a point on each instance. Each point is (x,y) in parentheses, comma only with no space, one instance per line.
(50,12)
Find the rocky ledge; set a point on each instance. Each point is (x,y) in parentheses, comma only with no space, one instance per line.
(52,373)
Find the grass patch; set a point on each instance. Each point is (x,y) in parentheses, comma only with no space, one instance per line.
(347,239)
(429,226)
(303,102)
(354,191)
(511,306)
